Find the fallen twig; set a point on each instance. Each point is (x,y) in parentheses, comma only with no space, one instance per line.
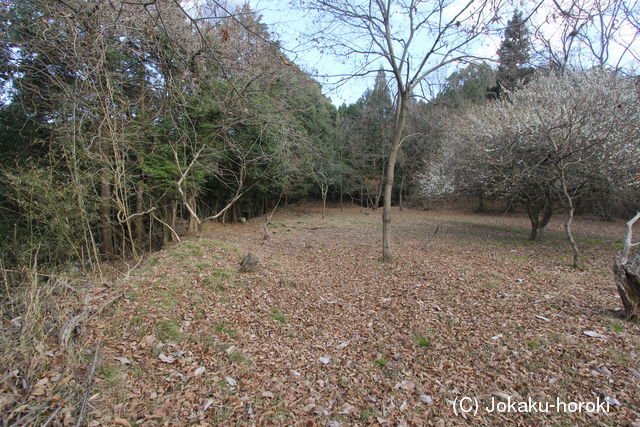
(89,386)
(52,416)
(74,323)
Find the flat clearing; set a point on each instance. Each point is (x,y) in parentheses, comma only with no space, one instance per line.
(325,332)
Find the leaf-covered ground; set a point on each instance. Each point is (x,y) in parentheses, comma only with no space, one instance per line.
(326,333)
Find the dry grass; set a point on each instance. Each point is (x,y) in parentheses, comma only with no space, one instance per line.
(37,377)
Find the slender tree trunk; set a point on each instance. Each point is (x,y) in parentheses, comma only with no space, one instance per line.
(139,222)
(480,202)
(325,190)
(265,227)
(387,254)
(194,222)
(569,220)
(572,242)
(341,196)
(400,194)
(166,233)
(234,213)
(106,236)
(173,219)
(379,195)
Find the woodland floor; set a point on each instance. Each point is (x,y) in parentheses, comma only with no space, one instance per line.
(326,333)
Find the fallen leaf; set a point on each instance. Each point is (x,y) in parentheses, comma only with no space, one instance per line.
(123,360)
(207,404)
(347,409)
(405,385)
(166,359)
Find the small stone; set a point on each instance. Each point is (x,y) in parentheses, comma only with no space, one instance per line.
(603,370)
(325,360)
(249,263)
(407,386)
(594,334)
(610,399)
(426,399)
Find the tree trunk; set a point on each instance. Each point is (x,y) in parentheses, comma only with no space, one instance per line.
(387,254)
(234,213)
(325,190)
(480,202)
(106,236)
(400,194)
(538,224)
(378,196)
(569,220)
(166,233)
(627,276)
(173,218)
(572,241)
(139,222)
(265,227)
(194,222)
(341,197)
(626,268)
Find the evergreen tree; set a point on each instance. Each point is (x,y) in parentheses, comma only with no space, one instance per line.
(368,124)
(378,101)
(467,85)
(513,69)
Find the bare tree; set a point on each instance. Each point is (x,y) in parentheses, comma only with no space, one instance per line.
(587,33)
(413,40)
